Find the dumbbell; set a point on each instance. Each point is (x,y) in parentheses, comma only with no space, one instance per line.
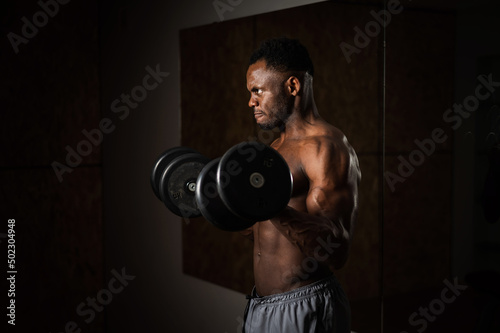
(251,182)
(173,179)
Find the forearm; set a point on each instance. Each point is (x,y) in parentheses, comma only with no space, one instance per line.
(324,239)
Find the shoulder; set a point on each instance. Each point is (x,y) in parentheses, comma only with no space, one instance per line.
(330,144)
(329,154)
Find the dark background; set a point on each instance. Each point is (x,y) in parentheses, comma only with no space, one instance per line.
(103,216)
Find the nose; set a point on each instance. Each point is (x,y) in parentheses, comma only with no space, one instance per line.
(253,102)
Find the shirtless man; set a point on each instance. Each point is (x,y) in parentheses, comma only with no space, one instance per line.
(296,252)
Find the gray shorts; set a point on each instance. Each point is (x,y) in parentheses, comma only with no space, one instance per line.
(318,307)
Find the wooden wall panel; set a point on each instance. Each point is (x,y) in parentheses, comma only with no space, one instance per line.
(214,98)
(215,116)
(419,90)
(419,68)
(59,248)
(417,212)
(49,94)
(50,87)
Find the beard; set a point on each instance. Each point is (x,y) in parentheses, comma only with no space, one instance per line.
(279,114)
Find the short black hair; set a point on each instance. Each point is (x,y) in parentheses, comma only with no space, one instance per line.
(283,54)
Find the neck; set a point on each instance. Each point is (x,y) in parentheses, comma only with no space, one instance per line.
(304,115)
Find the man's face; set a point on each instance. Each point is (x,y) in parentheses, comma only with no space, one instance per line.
(268,98)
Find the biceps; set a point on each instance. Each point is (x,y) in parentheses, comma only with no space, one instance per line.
(330,203)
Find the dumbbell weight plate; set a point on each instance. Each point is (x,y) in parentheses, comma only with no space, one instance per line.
(210,204)
(162,162)
(178,184)
(254,181)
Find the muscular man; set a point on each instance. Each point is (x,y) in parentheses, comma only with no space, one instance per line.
(296,252)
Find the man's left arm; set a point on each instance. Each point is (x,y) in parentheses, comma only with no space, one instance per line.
(331,202)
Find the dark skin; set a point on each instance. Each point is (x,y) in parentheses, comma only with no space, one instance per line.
(311,237)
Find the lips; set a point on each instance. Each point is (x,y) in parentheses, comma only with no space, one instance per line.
(258,114)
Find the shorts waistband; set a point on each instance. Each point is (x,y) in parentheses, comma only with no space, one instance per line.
(303,291)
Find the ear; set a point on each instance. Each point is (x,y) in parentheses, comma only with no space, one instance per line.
(293,86)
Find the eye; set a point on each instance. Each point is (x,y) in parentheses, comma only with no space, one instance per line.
(257,91)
